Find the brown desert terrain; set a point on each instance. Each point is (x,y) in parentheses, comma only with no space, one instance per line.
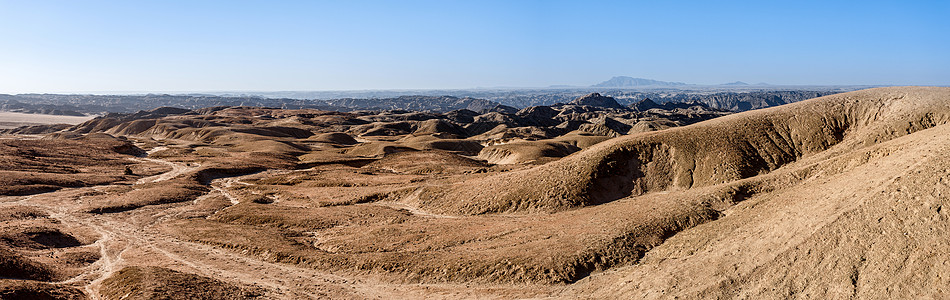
(835,197)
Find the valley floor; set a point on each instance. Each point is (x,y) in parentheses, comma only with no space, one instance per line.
(15,119)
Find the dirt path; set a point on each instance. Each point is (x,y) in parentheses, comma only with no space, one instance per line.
(131,239)
(135,238)
(222,188)
(177,168)
(414,210)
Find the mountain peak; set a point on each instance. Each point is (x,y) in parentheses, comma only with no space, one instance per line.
(625,81)
(735,83)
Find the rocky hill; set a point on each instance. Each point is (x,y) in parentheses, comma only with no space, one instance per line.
(595,99)
(737,101)
(49,109)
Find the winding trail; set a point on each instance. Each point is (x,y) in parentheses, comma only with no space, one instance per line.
(177,168)
(414,210)
(133,238)
(136,238)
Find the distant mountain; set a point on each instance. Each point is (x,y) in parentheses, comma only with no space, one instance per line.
(737,83)
(624,81)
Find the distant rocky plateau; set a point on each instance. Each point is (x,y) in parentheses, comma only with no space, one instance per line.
(478,101)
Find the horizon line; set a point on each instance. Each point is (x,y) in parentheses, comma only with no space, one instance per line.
(553,87)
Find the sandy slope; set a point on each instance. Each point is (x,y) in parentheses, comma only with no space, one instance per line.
(867,223)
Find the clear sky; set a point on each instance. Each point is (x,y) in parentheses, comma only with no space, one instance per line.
(174,46)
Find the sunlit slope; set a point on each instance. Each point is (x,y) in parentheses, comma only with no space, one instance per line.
(869,223)
(718,151)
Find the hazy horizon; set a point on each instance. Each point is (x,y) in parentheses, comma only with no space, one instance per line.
(687,87)
(186,47)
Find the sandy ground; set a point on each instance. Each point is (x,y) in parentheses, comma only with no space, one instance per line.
(127,239)
(15,119)
(134,239)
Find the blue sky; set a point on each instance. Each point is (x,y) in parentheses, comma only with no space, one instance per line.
(174,46)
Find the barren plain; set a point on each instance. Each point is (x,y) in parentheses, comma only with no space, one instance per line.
(15,119)
(837,197)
